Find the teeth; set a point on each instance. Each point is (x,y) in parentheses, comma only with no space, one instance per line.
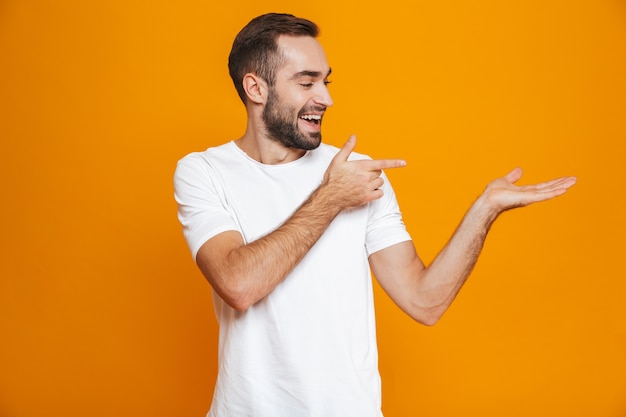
(311,117)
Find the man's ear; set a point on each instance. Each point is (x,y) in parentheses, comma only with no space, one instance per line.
(255,88)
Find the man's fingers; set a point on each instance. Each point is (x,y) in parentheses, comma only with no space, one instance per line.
(369,165)
(380,164)
(375,173)
(564,182)
(560,185)
(548,186)
(514,175)
(377,183)
(346,149)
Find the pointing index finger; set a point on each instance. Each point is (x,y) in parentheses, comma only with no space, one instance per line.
(377,164)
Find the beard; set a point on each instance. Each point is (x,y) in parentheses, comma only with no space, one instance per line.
(279,124)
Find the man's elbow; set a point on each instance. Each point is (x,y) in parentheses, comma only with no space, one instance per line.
(234,293)
(238,304)
(230,287)
(238,298)
(428,316)
(429,320)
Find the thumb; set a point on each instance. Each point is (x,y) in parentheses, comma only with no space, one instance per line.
(346,149)
(514,175)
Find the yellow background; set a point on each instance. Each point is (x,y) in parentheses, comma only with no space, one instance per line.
(102,311)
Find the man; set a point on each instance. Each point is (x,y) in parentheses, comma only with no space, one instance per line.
(286,229)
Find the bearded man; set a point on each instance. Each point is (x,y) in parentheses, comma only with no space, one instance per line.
(287,231)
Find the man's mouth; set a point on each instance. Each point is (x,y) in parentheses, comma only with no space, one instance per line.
(312,118)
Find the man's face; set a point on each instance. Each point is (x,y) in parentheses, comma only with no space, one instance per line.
(296,104)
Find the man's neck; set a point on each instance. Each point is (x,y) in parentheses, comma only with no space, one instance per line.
(267,150)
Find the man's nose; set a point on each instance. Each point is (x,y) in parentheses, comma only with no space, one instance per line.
(323,97)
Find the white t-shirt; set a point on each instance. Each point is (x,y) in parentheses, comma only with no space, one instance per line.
(309,347)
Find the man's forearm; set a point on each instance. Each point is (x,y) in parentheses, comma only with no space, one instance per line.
(426,292)
(242,274)
(261,265)
(441,281)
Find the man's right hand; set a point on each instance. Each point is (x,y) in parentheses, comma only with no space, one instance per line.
(353,183)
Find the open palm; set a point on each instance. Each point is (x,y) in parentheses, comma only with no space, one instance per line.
(503,194)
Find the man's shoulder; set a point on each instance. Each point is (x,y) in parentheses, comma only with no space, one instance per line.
(224,151)
(200,165)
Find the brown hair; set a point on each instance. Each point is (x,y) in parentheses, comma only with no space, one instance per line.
(255,49)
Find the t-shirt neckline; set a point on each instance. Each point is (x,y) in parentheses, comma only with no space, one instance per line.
(242,153)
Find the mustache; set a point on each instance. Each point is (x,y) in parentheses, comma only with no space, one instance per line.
(312,109)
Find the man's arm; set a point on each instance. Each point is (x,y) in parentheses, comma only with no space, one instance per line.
(425,293)
(242,274)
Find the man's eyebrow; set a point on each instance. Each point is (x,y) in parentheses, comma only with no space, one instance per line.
(314,74)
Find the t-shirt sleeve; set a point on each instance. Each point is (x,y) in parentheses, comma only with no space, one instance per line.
(385,226)
(202,208)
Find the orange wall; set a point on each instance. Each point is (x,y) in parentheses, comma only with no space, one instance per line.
(102,312)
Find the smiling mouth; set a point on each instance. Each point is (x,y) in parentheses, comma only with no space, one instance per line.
(312,118)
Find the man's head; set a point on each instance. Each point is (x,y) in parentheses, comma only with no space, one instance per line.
(255,49)
(281,74)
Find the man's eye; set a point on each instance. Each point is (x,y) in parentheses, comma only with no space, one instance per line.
(307,85)
(326,82)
